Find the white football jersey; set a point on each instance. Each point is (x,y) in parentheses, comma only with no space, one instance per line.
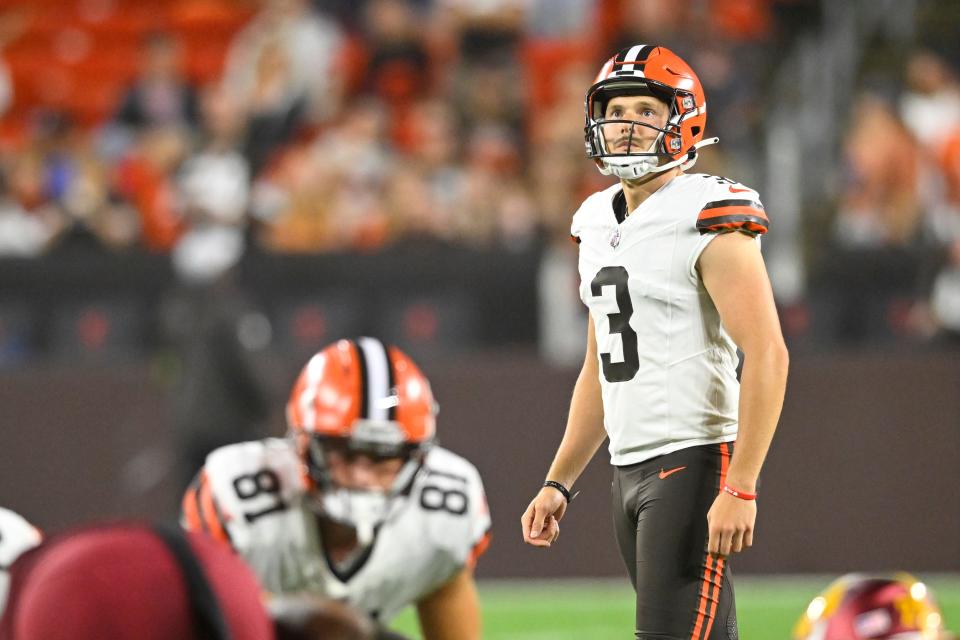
(16,536)
(667,366)
(254,495)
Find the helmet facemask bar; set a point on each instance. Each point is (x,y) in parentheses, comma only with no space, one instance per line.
(598,147)
(364,509)
(667,149)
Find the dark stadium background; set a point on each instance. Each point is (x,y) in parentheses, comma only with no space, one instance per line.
(414,180)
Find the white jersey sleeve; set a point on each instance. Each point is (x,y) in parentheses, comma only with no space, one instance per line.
(16,536)
(727,206)
(454,507)
(245,493)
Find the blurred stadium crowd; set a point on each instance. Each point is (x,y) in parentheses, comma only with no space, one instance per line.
(210,129)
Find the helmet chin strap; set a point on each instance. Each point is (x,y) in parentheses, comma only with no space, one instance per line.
(365,510)
(633,168)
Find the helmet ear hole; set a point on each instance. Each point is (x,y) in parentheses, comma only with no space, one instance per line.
(695,130)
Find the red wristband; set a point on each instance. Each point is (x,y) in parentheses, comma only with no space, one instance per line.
(736,493)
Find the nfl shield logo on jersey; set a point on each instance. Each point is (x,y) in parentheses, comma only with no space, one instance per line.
(615,238)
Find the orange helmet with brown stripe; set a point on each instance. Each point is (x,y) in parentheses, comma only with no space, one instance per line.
(361,397)
(648,70)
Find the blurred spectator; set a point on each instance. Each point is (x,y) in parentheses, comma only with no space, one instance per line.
(945,295)
(732,78)
(490,95)
(6,88)
(335,188)
(161,94)
(561,19)
(58,180)
(944,224)
(12,24)
(93,218)
(866,283)
(485,38)
(486,32)
(559,123)
(413,210)
(741,20)
(27,224)
(794,19)
(654,21)
(492,164)
(399,69)
(304,43)
(434,148)
(145,178)
(931,105)
(879,206)
(292,199)
(214,194)
(274,112)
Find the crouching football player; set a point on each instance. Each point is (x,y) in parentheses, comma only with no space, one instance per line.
(356,504)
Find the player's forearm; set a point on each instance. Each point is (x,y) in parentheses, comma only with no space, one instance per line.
(453,611)
(584,433)
(762,386)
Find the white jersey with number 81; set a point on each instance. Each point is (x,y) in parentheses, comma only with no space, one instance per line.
(254,496)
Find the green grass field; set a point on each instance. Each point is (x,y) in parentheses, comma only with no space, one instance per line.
(767,608)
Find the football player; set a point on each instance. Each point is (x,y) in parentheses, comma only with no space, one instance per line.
(673,278)
(864,607)
(357,504)
(16,536)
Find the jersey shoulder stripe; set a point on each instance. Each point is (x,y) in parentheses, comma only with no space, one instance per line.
(200,511)
(479,548)
(733,214)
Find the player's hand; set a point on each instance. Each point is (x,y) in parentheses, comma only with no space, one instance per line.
(541,521)
(731,522)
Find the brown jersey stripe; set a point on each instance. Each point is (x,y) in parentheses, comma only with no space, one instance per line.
(746,221)
(733,202)
(732,210)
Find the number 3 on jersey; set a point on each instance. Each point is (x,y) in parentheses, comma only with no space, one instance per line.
(619,323)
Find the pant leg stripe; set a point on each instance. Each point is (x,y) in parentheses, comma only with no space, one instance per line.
(712,572)
(715,597)
(702,604)
(721,563)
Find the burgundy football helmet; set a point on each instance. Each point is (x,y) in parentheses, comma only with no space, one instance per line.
(862,607)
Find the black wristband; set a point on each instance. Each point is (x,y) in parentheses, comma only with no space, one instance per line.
(559,487)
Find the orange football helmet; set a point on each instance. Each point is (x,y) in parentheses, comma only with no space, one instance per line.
(654,70)
(362,397)
(861,607)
